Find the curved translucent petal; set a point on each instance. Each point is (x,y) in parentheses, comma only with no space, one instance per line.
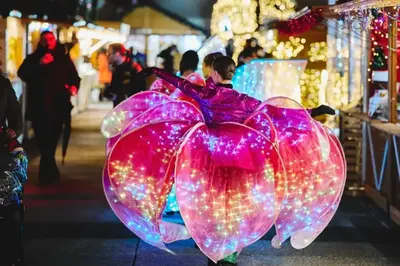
(140,168)
(118,118)
(225,186)
(261,122)
(196,78)
(304,237)
(312,169)
(162,86)
(110,143)
(127,217)
(173,110)
(172,232)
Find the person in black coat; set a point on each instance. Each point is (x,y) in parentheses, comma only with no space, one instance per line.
(51,79)
(167,57)
(124,81)
(10,109)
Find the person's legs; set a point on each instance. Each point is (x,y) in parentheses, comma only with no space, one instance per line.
(47,134)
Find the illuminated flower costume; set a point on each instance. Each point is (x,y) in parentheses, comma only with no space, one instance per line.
(239,167)
(165,87)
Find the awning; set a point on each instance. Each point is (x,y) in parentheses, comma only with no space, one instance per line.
(147,20)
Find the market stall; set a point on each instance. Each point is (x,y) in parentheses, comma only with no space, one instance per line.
(380,164)
(84,42)
(12,53)
(153,31)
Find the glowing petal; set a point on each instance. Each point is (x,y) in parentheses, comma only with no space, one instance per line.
(173,110)
(225,185)
(140,169)
(125,112)
(314,169)
(304,237)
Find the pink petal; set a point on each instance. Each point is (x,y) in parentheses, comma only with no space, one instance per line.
(160,85)
(302,238)
(314,170)
(118,118)
(140,168)
(225,186)
(174,110)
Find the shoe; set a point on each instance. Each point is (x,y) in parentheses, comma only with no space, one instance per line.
(226,263)
(221,263)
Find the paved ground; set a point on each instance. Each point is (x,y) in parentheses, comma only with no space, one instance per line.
(72,225)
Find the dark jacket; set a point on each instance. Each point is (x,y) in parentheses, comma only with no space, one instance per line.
(168,58)
(10,109)
(125,81)
(46,84)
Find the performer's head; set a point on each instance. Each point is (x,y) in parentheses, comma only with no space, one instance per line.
(189,63)
(208,62)
(117,53)
(249,54)
(223,70)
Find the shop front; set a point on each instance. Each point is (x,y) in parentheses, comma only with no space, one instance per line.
(12,50)
(152,31)
(369,117)
(84,42)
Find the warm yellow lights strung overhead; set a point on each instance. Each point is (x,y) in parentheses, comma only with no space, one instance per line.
(276,9)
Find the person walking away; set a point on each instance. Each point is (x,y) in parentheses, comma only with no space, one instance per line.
(51,79)
(124,82)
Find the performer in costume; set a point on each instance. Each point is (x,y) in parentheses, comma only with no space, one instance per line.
(188,67)
(208,62)
(239,166)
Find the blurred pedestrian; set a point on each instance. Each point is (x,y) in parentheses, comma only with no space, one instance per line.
(124,82)
(167,57)
(51,79)
(230,48)
(10,109)
(248,55)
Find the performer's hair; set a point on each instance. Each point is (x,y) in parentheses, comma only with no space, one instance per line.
(210,58)
(225,67)
(118,48)
(190,61)
(249,52)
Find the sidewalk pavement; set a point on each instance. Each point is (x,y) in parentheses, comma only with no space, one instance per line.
(71,223)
